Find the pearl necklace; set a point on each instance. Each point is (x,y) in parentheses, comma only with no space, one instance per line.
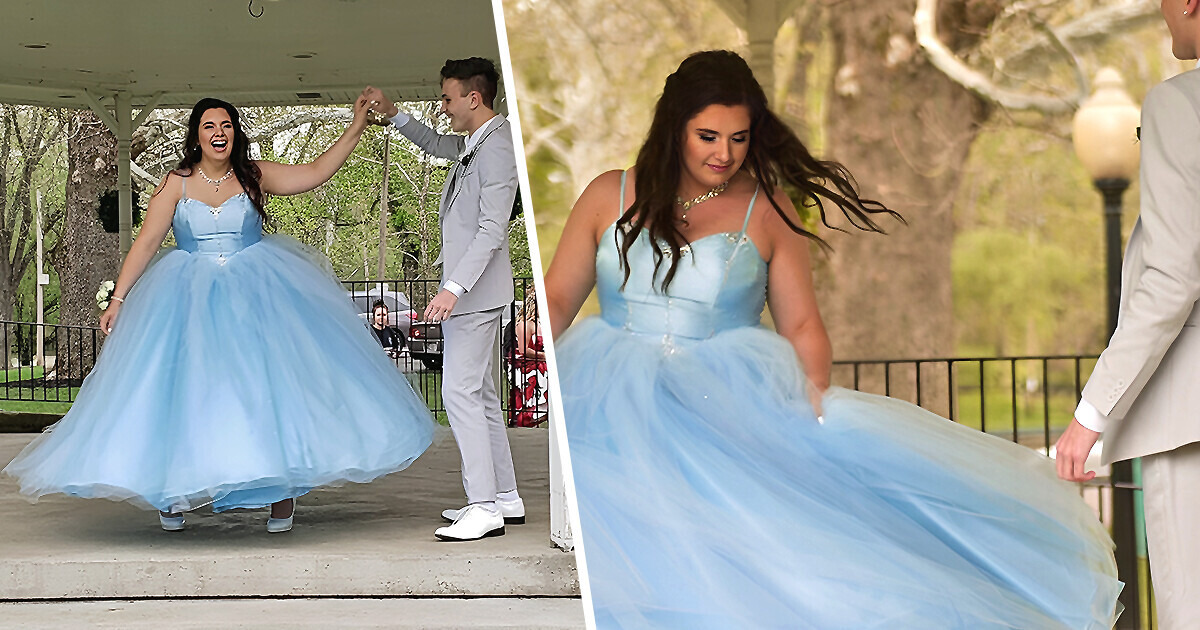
(215,182)
(688,205)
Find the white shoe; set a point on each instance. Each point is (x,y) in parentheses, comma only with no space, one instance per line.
(473,522)
(280,525)
(171,521)
(512,511)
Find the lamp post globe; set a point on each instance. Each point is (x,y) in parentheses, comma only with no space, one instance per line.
(1104,134)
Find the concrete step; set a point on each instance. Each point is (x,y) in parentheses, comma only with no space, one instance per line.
(358,540)
(300,614)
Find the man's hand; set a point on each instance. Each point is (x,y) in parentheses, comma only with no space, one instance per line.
(379,102)
(1072,449)
(440,306)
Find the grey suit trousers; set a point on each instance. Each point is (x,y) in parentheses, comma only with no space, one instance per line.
(1172,504)
(472,405)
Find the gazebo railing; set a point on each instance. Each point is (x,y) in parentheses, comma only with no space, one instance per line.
(1027,399)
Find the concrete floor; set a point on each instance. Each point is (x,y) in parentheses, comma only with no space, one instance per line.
(368,540)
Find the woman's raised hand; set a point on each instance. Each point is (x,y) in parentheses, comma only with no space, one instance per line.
(361,107)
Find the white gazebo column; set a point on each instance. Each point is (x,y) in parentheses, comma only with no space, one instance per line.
(560,511)
(762,24)
(122,124)
(123,111)
(761,20)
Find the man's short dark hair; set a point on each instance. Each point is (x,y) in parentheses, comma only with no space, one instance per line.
(476,74)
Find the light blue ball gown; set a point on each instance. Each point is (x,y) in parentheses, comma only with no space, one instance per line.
(711,497)
(238,374)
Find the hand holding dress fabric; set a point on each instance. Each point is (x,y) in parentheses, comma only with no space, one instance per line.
(1072,450)
(109,317)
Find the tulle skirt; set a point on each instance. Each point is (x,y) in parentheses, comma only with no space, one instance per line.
(711,497)
(237,385)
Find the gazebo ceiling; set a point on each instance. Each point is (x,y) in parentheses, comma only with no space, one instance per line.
(298,52)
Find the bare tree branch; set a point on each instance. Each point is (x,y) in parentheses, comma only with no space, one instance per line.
(1089,29)
(543,135)
(1057,43)
(314,116)
(925,25)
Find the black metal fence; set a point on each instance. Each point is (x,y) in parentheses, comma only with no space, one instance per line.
(521,381)
(53,371)
(46,362)
(1029,400)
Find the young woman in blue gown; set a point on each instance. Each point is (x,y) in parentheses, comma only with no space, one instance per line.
(721,481)
(236,373)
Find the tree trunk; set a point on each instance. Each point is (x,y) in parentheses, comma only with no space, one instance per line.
(904,130)
(86,255)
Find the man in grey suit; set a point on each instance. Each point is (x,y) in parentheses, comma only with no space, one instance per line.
(477,201)
(1144,394)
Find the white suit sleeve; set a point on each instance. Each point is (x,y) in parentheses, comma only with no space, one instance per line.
(1157,301)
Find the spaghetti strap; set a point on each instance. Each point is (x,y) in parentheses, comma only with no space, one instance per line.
(621,208)
(750,209)
(183,182)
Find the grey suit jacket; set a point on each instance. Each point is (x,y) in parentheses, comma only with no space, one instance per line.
(1147,382)
(477,200)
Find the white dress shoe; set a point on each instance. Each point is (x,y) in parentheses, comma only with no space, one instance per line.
(280,525)
(512,511)
(473,522)
(171,521)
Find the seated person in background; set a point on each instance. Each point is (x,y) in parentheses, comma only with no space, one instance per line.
(390,338)
(527,360)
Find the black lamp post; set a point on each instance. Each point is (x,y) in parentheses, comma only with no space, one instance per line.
(1112,189)
(1105,138)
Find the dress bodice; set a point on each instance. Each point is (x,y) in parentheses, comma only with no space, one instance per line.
(219,232)
(720,283)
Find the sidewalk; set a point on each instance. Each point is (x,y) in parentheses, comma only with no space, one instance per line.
(358,540)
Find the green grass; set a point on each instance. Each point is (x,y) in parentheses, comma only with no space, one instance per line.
(21,374)
(34,406)
(1030,412)
(31,398)
(428,385)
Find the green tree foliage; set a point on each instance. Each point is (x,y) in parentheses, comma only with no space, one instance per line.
(33,162)
(340,218)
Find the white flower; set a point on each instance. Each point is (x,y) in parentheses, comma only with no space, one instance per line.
(104,305)
(100,295)
(109,284)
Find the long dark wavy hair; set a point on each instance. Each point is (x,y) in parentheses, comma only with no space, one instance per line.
(244,169)
(776,157)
